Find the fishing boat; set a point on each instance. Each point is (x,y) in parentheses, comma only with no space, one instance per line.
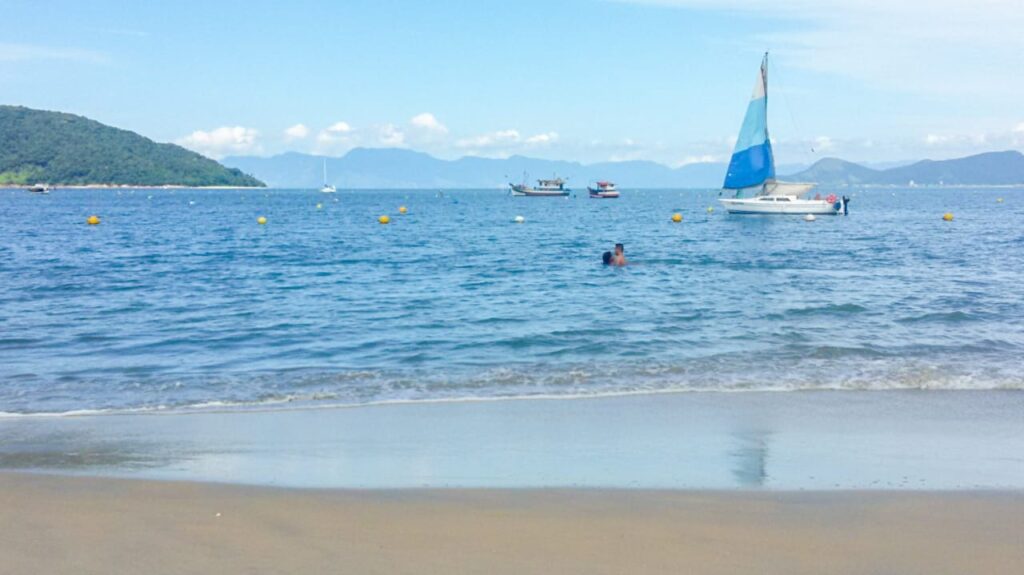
(604,190)
(545,188)
(327,188)
(750,178)
(40,189)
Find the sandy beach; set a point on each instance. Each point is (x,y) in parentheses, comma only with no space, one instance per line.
(93,525)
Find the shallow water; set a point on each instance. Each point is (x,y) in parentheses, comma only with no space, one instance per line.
(180,300)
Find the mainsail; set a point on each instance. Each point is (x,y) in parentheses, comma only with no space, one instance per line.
(752,163)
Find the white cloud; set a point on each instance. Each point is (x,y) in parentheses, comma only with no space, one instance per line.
(339,128)
(390,136)
(542,139)
(428,122)
(823,143)
(1019,128)
(30,52)
(701,159)
(336,138)
(296,132)
(489,140)
(222,141)
(502,143)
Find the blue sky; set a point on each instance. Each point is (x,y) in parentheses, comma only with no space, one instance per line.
(590,80)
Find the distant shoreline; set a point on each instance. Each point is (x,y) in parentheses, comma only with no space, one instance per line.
(130,187)
(821,187)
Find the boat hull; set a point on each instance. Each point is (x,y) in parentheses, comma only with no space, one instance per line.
(776,206)
(520,190)
(538,194)
(603,194)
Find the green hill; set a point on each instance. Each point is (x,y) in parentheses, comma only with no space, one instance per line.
(64,149)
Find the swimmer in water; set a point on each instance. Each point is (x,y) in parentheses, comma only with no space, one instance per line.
(607,258)
(619,259)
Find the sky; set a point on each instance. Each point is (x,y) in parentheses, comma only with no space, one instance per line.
(587,80)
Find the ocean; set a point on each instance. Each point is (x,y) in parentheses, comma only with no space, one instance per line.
(179,300)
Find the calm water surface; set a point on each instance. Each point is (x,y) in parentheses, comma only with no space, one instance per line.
(180,300)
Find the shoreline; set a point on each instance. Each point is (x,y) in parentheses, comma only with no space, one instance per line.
(922,187)
(292,405)
(130,187)
(89,525)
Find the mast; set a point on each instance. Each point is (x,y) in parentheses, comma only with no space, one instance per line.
(325,171)
(764,82)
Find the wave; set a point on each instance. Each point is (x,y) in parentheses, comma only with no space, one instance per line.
(940,317)
(319,400)
(828,310)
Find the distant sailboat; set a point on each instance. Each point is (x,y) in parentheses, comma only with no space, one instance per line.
(327,188)
(751,173)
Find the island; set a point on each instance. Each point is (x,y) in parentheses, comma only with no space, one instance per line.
(69,150)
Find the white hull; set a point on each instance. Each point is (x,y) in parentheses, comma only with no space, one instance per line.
(779,205)
(539,193)
(524,190)
(328,189)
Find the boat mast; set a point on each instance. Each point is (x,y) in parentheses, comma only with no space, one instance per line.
(764,82)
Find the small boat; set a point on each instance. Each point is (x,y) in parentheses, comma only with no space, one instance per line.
(545,188)
(40,189)
(604,190)
(750,177)
(327,188)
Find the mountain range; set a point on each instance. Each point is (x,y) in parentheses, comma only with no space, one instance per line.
(381,168)
(39,146)
(988,169)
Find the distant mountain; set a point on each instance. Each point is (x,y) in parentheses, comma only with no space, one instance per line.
(836,171)
(992,168)
(58,148)
(399,168)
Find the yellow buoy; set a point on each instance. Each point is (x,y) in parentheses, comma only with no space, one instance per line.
(93,220)
(710,209)
(999,200)
(402,209)
(677,218)
(261,220)
(948,216)
(384,220)
(319,206)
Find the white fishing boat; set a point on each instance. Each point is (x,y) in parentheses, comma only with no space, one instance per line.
(545,188)
(750,179)
(327,188)
(40,189)
(603,191)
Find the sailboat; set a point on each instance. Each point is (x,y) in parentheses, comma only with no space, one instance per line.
(327,188)
(750,177)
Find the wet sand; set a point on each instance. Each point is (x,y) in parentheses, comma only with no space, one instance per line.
(926,441)
(83,525)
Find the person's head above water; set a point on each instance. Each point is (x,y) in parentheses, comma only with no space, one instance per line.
(619,248)
(606,258)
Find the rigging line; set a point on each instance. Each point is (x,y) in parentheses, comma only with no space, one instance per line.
(789,109)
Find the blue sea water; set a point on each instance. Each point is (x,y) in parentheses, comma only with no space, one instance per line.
(180,300)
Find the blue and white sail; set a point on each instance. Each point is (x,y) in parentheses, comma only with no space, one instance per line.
(752,163)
